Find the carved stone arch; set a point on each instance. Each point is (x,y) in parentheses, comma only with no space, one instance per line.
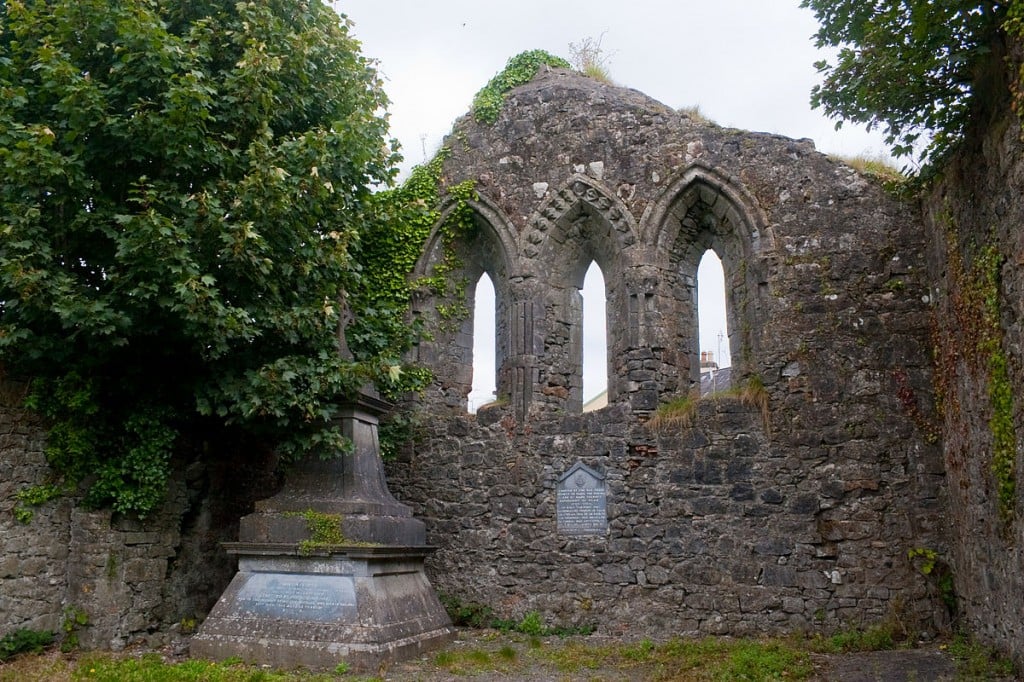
(487,216)
(730,201)
(703,208)
(580,223)
(488,247)
(556,215)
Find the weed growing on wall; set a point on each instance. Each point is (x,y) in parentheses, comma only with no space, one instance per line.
(34,496)
(73,620)
(680,413)
(933,567)
(590,59)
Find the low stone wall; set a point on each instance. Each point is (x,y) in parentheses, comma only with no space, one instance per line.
(130,580)
(33,561)
(713,529)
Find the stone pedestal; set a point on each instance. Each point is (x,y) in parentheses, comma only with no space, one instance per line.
(330,569)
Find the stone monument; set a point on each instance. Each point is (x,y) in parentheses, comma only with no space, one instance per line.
(331,568)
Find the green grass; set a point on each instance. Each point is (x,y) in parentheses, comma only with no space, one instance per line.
(977,662)
(474,661)
(707,659)
(687,659)
(150,668)
(147,668)
(881,637)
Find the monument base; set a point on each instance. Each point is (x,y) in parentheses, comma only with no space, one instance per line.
(364,606)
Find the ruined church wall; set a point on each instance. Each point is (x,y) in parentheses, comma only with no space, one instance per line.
(975,217)
(730,525)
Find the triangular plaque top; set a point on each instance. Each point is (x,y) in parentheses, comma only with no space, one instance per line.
(580,467)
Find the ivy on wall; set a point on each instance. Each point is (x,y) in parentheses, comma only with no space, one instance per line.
(406,216)
(518,71)
(978,341)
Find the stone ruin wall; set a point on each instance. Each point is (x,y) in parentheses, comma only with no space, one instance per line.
(734,524)
(134,581)
(978,201)
(34,557)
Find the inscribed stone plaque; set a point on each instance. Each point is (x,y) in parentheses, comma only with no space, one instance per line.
(582,505)
(295,596)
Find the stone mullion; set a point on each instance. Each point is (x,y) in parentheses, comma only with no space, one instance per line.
(519,374)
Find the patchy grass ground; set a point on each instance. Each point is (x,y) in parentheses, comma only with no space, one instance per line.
(490,656)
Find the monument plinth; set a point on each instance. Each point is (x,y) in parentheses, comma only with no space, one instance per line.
(330,569)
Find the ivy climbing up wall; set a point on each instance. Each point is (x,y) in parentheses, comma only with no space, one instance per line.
(975,216)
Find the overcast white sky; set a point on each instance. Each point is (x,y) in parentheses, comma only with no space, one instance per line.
(746,63)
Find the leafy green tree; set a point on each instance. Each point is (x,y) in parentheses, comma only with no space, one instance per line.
(183,186)
(909,66)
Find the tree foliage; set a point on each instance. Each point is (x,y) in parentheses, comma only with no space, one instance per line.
(908,66)
(183,187)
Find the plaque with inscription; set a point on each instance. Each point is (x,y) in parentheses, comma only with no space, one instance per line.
(298,596)
(582,502)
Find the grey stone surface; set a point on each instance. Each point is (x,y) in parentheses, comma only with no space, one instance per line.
(364,606)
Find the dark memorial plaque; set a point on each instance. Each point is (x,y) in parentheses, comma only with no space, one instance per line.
(582,503)
(298,596)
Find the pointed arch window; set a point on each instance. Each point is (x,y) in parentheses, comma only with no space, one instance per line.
(484,385)
(712,323)
(595,339)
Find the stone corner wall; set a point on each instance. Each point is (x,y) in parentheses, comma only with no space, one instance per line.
(975,218)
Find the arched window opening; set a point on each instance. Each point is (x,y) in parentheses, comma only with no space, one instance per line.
(712,324)
(484,387)
(595,340)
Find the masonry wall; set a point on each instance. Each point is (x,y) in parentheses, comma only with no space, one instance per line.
(974,207)
(133,581)
(33,563)
(802,518)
